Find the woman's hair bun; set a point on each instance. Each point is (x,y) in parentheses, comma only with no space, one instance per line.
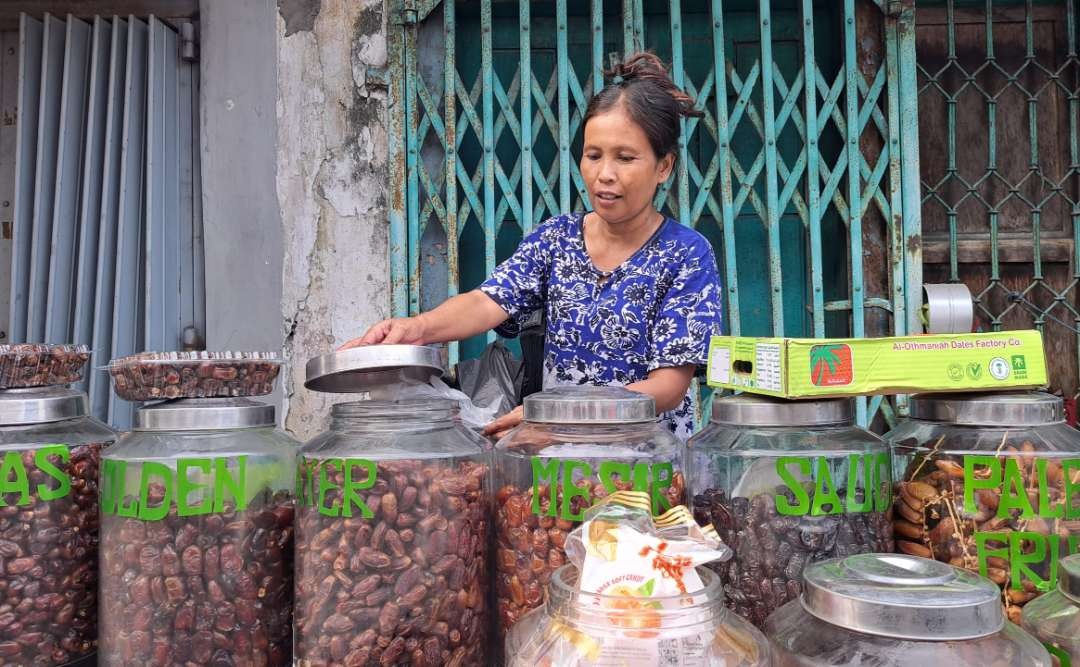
(647,67)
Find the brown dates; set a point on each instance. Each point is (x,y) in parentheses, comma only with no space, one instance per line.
(150,376)
(403,580)
(40,365)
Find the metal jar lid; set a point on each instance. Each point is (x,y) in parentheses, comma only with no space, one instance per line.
(901,596)
(1069,576)
(1014,408)
(204,414)
(589,405)
(359,369)
(755,410)
(38,405)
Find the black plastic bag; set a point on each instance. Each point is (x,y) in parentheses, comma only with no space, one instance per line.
(494,376)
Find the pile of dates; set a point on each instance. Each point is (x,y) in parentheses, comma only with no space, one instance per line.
(48,559)
(772,549)
(40,365)
(152,376)
(212,589)
(1006,514)
(400,578)
(530,546)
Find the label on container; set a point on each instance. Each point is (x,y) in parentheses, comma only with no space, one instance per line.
(194,485)
(1034,498)
(815,493)
(15,480)
(316,486)
(572,477)
(1061,658)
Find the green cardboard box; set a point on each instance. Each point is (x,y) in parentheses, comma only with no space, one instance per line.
(814,367)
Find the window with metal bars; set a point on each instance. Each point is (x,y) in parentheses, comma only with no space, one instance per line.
(102,230)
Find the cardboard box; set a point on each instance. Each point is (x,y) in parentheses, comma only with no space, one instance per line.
(815,367)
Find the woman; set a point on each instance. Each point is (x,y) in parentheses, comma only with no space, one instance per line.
(630,297)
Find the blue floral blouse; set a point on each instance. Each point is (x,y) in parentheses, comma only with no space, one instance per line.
(656,310)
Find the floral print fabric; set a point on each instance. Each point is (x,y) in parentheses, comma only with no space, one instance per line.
(656,310)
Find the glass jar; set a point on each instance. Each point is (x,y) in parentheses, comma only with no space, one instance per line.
(785,484)
(49,526)
(575,629)
(392,538)
(989,482)
(197,537)
(576,445)
(894,610)
(1054,618)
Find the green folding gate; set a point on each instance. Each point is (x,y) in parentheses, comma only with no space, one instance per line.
(803,172)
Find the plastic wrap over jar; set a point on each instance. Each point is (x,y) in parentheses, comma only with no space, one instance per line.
(1054,618)
(392,538)
(576,445)
(894,610)
(49,526)
(989,482)
(785,484)
(575,629)
(197,537)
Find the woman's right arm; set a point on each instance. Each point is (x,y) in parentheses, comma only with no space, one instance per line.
(457,318)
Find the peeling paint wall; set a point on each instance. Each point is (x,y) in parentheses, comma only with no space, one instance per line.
(331,186)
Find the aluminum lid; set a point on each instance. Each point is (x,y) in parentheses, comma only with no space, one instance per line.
(901,596)
(1019,408)
(754,410)
(359,369)
(1069,576)
(38,405)
(589,405)
(204,414)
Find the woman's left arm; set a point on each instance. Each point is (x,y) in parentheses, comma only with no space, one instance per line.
(667,385)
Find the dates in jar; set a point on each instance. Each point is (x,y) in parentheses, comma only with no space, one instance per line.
(1009,516)
(48,554)
(391,563)
(532,523)
(196,566)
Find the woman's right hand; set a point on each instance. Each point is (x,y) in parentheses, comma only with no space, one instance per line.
(398,330)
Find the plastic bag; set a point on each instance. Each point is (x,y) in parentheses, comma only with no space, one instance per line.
(492,379)
(473,416)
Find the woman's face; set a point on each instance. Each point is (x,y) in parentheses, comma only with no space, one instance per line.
(619,168)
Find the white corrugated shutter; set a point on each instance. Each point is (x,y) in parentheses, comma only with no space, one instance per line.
(106,231)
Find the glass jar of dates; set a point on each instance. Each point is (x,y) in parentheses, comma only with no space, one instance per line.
(576,445)
(197,537)
(575,629)
(989,482)
(392,538)
(787,483)
(895,610)
(1054,618)
(49,527)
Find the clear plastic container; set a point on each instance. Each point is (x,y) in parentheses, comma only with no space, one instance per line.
(576,629)
(894,610)
(392,538)
(576,445)
(197,537)
(989,482)
(785,484)
(49,526)
(1054,618)
(153,376)
(41,365)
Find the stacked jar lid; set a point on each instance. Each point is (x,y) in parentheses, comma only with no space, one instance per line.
(392,520)
(197,516)
(48,507)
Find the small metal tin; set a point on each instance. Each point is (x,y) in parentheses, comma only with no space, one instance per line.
(949,308)
(204,414)
(39,405)
(901,596)
(1069,577)
(589,405)
(360,369)
(754,410)
(1019,408)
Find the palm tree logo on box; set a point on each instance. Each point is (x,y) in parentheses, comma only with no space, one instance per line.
(831,365)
